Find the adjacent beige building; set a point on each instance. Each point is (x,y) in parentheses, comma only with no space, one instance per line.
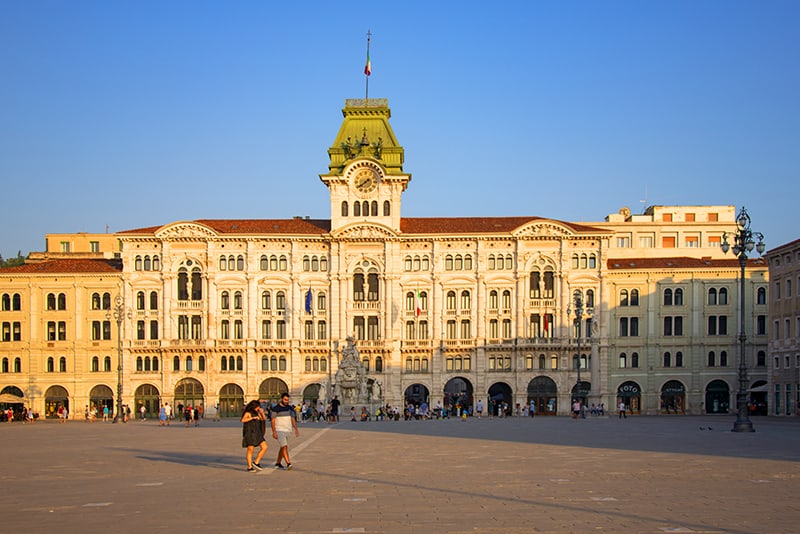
(442,310)
(784,343)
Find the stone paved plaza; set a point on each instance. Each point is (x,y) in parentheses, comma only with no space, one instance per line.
(641,474)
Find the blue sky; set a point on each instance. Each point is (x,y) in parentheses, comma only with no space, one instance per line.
(133,114)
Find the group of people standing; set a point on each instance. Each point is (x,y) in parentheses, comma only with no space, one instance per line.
(283,422)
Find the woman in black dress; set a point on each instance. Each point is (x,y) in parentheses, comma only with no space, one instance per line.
(254,424)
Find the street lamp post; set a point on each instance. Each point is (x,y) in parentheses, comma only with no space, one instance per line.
(744,240)
(577,301)
(119,313)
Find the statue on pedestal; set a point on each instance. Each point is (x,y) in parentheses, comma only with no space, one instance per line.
(351,379)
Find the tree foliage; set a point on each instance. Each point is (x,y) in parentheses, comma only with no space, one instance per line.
(12,262)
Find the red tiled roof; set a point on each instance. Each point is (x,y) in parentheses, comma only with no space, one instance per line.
(417,225)
(680,263)
(66,266)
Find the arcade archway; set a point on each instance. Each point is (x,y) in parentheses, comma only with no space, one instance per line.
(146,395)
(500,399)
(189,392)
(416,394)
(673,397)
(270,390)
(231,401)
(718,397)
(543,395)
(54,397)
(631,394)
(457,394)
(100,397)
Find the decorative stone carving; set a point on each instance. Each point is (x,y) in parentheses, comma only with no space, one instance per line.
(185,230)
(543,230)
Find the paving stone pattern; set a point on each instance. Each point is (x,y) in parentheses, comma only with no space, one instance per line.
(641,474)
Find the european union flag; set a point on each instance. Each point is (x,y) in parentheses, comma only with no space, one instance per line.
(308,301)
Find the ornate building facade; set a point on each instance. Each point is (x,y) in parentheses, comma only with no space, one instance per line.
(451,310)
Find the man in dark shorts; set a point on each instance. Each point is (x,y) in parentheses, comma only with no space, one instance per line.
(335,409)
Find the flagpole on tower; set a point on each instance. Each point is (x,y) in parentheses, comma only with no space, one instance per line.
(367,69)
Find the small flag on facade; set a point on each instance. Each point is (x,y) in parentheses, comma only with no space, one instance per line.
(308,301)
(418,302)
(546,322)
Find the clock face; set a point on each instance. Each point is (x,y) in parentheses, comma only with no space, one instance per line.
(365,181)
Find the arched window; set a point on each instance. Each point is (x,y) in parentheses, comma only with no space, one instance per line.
(623,297)
(223,263)
(240,263)
(95,364)
(62,365)
(107,364)
(761,297)
(280,300)
(372,287)
(140,300)
(356,209)
(387,208)
(239,363)
(668,297)
(308,364)
(263,263)
(378,364)
(493,300)
(266,300)
(466,300)
(224,301)
(137,263)
(148,265)
(634,297)
(153,300)
(590,298)
(344,208)
(723,296)
(451,300)
(678,297)
(712,296)
(592,261)
(139,363)
(358,287)
(374,208)
(95,302)
(237,300)
(155,363)
(712,359)
(176,364)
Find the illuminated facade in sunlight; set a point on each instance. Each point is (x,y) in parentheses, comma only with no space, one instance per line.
(448,310)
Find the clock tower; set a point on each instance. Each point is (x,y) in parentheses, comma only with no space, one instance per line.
(365,174)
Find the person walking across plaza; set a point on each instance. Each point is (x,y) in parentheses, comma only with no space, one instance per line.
(622,414)
(254,425)
(282,419)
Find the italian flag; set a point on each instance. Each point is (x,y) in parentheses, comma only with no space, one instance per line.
(418,304)
(368,66)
